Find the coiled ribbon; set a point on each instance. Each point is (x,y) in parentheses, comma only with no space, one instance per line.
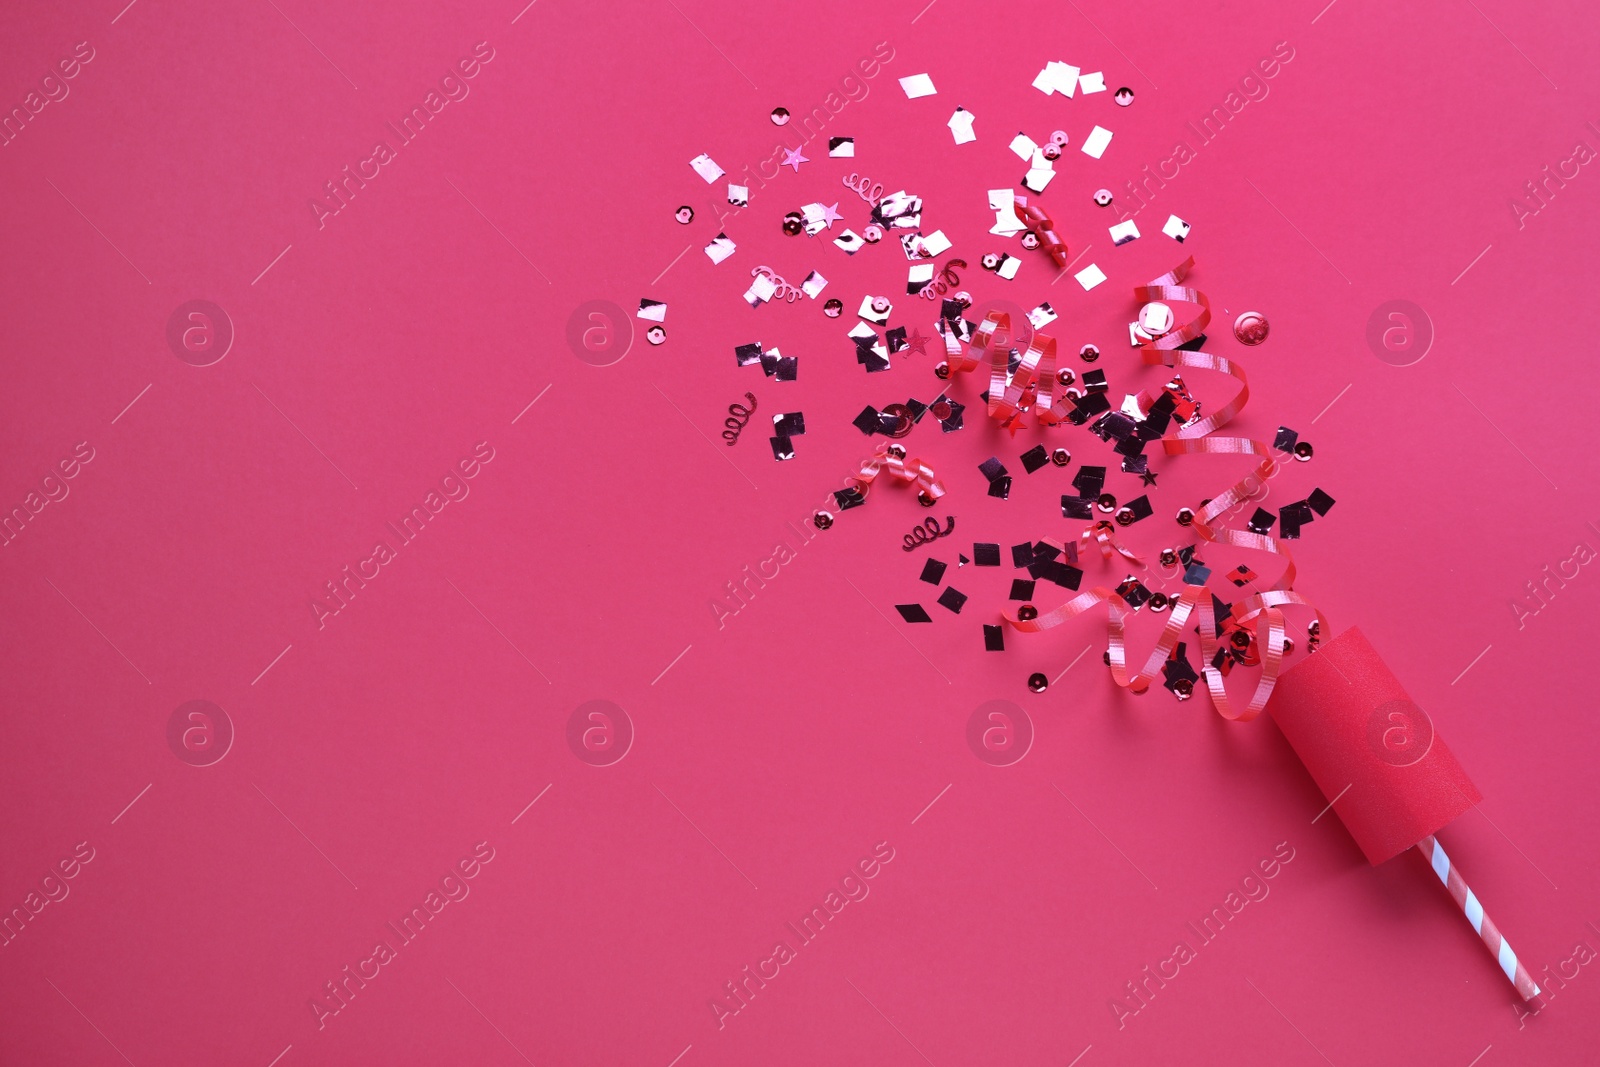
(1251,615)
(782,289)
(946,280)
(1033,217)
(892,459)
(1029,387)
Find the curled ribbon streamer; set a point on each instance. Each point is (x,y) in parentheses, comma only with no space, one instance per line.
(1195,438)
(1103,534)
(1033,217)
(1250,615)
(1116,644)
(1029,387)
(892,459)
(1264,605)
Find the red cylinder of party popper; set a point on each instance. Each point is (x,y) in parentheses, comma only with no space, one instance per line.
(1374,753)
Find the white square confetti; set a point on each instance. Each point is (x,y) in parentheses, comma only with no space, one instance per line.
(652,310)
(815,218)
(1038,177)
(1090,276)
(1092,83)
(1024,146)
(738,195)
(1042,316)
(936,243)
(761,290)
(1123,232)
(842,147)
(1057,77)
(1006,224)
(849,241)
(1176,228)
(917,85)
(1095,144)
(720,248)
(813,284)
(868,312)
(961,126)
(899,207)
(1009,265)
(918,277)
(706,167)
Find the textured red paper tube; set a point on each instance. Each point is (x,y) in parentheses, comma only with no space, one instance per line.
(1371,749)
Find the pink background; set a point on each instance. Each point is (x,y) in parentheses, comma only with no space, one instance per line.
(374,753)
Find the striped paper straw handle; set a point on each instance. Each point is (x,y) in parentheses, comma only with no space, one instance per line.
(1467,900)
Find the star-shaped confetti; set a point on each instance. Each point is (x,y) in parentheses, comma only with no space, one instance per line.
(1149,477)
(830,213)
(793,158)
(917,342)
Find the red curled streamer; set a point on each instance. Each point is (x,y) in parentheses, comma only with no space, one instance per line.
(1030,387)
(892,459)
(1251,614)
(1033,217)
(1103,534)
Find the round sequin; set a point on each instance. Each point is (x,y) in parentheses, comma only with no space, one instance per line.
(1061,457)
(656,335)
(1038,682)
(872,234)
(1107,503)
(1102,197)
(1250,328)
(780,116)
(1027,613)
(833,308)
(1088,353)
(822,520)
(684,215)
(1302,451)
(1124,96)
